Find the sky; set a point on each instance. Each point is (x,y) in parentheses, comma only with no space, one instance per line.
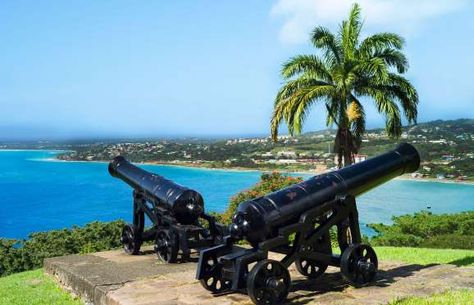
(79,69)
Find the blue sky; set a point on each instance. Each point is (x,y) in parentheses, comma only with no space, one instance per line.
(71,69)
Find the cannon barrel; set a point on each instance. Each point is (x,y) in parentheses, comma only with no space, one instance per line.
(258,219)
(185,204)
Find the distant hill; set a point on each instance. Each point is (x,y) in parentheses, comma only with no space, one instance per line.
(449,128)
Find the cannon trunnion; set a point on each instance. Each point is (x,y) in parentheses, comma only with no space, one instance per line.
(175,212)
(296,222)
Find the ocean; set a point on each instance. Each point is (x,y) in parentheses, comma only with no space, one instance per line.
(39,193)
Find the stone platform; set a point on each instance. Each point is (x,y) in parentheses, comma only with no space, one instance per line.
(114,278)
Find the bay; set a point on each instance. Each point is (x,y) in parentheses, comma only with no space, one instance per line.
(39,193)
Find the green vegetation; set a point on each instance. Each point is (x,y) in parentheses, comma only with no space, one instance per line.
(268,183)
(456,297)
(33,287)
(428,230)
(424,256)
(348,71)
(17,256)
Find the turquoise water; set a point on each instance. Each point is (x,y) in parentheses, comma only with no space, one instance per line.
(38,193)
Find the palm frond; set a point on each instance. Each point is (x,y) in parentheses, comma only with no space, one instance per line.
(396,87)
(393,58)
(323,39)
(277,117)
(386,106)
(308,64)
(374,68)
(393,125)
(332,107)
(350,32)
(380,41)
(294,85)
(406,94)
(298,105)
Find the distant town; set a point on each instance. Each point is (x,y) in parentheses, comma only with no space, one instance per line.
(446,148)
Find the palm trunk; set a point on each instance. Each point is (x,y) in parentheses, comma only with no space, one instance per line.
(343,147)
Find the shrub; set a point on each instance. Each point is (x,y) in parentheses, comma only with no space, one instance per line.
(424,229)
(17,256)
(449,241)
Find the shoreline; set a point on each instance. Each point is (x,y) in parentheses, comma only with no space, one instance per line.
(446,181)
(242,169)
(25,149)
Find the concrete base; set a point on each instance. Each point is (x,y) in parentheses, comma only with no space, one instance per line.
(115,278)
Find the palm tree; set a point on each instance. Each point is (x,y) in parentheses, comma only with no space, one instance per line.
(347,73)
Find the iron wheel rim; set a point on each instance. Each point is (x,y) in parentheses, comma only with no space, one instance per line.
(129,239)
(359,264)
(268,283)
(166,246)
(214,281)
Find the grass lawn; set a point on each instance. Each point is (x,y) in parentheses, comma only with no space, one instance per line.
(458,297)
(33,287)
(425,256)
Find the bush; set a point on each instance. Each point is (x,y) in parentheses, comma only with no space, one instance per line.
(17,256)
(425,229)
(449,241)
(268,183)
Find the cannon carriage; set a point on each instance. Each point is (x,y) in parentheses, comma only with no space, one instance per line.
(296,222)
(179,223)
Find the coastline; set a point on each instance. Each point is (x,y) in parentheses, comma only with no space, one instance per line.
(25,149)
(447,181)
(243,169)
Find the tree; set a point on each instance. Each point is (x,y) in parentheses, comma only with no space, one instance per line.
(346,73)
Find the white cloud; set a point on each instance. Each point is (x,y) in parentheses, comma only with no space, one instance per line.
(404,16)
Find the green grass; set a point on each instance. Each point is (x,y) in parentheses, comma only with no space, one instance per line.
(457,297)
(33,287)
(423,256)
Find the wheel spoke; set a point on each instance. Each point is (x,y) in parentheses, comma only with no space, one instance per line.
(272,296)
(356,273)
(306,268)
(260,279)
(267,297)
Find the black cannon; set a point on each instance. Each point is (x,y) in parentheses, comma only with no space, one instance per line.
(296,222)
(174,210)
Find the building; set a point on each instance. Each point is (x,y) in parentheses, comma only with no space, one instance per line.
(359,158)
(287,154)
